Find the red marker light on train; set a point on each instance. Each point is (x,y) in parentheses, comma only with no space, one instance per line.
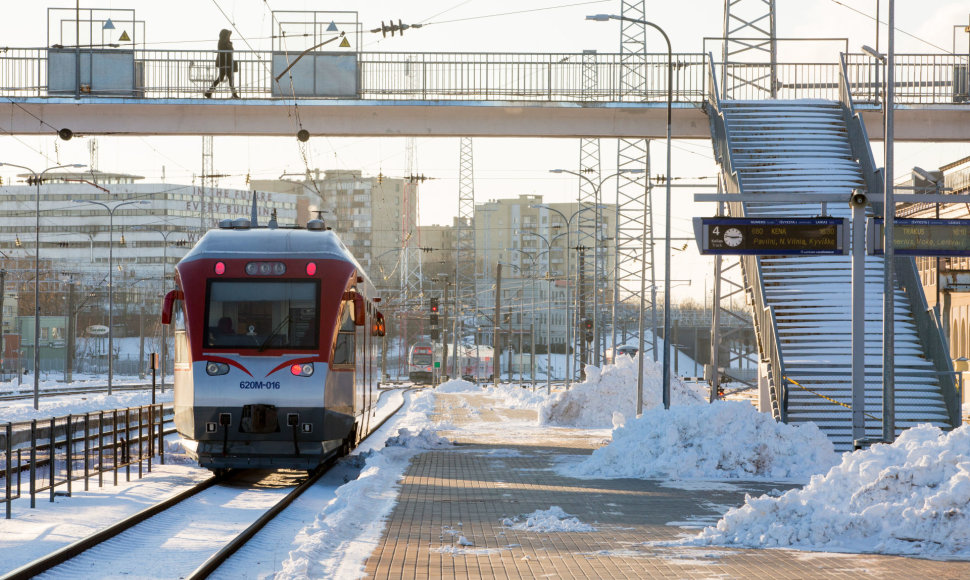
(220,268)
(301,370)
(311,269)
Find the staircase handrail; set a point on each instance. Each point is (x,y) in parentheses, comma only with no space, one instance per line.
(766,326)
(859,138)
(932,339)
(931,335)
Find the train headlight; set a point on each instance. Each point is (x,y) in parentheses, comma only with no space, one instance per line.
(302,370)
(214,369)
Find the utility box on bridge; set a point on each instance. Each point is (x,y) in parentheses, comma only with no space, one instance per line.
(103,73)
(333,75)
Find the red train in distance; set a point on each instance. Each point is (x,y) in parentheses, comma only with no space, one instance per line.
(276,347)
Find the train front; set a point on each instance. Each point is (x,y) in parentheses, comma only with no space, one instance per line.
(256,321)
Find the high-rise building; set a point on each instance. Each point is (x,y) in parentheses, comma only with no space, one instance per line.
(367,212)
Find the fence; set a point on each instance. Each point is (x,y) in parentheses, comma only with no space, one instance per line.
(540,77)
(58,452)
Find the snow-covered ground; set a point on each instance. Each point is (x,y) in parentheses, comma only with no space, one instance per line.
(907,498)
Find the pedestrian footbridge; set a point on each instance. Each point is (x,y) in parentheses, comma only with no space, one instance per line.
(160,92)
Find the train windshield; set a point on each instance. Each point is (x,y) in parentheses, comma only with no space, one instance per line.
(257,315)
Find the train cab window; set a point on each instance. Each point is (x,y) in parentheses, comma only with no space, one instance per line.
(258,315)
(180,338)
(346,342)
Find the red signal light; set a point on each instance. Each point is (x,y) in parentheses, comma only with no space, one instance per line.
(311,269)
(220,268)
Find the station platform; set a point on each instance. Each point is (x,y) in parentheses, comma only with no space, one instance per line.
(448,522)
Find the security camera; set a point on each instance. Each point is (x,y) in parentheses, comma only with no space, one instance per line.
(858,199)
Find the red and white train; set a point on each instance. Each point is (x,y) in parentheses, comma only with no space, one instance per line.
(276,347)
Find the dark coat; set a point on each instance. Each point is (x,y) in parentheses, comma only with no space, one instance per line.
(224,58)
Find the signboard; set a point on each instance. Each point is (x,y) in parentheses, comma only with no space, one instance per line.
(772,236)
(921,237)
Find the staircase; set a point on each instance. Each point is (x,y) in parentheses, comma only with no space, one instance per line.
(805,148)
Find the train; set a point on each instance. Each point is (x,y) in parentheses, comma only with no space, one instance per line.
(421,359)
(422,356)
(276,333)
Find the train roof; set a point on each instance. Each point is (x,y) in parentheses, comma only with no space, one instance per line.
(276,243)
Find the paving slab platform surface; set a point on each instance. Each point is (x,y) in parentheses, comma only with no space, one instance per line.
(498,470)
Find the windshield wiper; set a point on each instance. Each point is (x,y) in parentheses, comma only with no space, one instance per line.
(273,334)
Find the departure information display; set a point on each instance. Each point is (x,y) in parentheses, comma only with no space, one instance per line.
(772,236)
(922,237)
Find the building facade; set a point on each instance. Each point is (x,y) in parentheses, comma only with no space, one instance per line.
(946,280)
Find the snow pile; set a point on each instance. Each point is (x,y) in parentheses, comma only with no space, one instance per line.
(553,519)
(458,386)
(613,389)
(423,439)
(516,397)
(908,498)
(725,439)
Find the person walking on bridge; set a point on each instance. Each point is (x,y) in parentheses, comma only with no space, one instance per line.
(225,64)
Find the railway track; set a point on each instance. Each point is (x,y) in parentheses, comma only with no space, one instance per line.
(146,530)
(89,390)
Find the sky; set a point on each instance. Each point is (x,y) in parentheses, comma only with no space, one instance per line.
(503,167)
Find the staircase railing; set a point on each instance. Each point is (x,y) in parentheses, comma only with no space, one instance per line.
(766,327)
(931,337)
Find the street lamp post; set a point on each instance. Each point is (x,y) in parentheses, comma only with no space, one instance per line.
(569,318)
(37,178)
(596,310)
(548,253)
(670,99)
(111,217)
(534,258)
(165,235)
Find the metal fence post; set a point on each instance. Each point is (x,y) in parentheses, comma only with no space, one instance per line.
(114,445)
(100,448)
(7,481)
(87,448)
(161,434)
(69,441)
(33,463)
(141,419)
(52,453)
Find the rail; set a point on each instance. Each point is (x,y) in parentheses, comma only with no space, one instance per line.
(456,76)
(58,452)
(931,336)
(766,328)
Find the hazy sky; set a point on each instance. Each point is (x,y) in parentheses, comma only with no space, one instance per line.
(503,167)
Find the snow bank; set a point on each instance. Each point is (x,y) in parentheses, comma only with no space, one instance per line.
(514,396)
(458,386)
(553,519)
(423,439)
(908,498)
(592,403)
(725,439)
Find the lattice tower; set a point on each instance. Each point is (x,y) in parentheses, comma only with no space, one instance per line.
(208,182)
(466,311)
(634,207)
(749,37)
(590,198)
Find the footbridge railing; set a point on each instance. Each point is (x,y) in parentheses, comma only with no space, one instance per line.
(457,76)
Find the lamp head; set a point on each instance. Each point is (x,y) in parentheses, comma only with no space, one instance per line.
(873,53)
(598,17)
(556,170)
